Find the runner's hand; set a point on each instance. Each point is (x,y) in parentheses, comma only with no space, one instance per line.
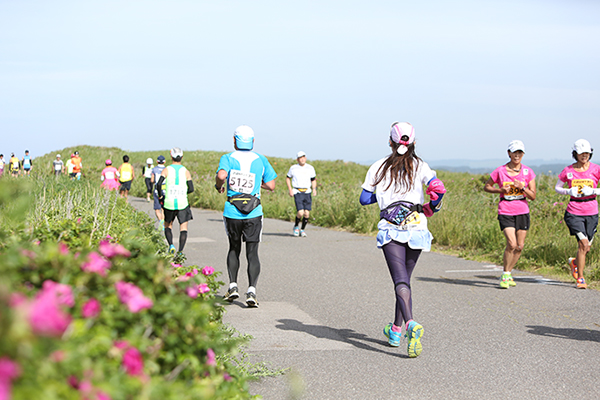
(587,191)
(574,191)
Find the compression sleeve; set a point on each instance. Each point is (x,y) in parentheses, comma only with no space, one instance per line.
(159,184)
(367,197)
(559,188)
(190,186)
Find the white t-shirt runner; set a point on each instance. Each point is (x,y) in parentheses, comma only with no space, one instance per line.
(301,177)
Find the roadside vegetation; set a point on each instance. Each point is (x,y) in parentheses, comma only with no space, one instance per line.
(467,226)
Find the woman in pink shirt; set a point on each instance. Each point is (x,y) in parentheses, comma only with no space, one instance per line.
(581,216)
(516,184)
(110,177)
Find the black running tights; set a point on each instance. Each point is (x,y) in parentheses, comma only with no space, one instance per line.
(401,261)
(233,261)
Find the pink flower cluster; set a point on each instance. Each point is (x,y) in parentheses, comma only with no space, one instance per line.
(9,370)
(87,390)
(96,264)
(194,290)
(208,270)
(132,296)
(110,250)
(46,313)
(91,308)
(133,362)
(188,275)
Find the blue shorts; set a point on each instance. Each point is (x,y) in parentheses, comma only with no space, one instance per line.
(157,205)
(303,201)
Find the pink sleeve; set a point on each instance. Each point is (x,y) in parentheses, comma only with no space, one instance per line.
(495,176)
(563,175)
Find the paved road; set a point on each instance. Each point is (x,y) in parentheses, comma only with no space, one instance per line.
(324,300)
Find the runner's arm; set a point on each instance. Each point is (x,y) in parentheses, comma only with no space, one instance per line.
(220,180)
(367,197)
(190,186)
(288,181)
(313,183)
(270,186)
(563,190)
(161,180)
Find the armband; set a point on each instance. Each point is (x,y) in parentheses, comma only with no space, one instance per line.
(435,189)
(367,197)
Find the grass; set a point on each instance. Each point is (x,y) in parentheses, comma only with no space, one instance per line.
(467,226)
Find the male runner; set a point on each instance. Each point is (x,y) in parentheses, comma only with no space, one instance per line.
(126,176)
(147,172)
(26,163)
(58,167)
(77,165)
(301,180)
(156,172)
(245,173)
(178,184)
(2,164)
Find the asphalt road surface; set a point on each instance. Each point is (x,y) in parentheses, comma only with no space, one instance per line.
(325,299)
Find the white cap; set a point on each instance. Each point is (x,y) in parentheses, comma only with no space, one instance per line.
(176,152)
(244,137)
(300,154)
(58,156)
(149,161)
(582,146)
(516,145)
(402,133)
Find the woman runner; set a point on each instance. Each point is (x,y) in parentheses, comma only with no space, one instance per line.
(581,216)
(516,184)
(396,183)
(110,176)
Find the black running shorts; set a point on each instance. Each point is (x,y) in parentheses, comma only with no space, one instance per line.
(250,230)
(184,215)
(303,201)
(585,224)
(519,222)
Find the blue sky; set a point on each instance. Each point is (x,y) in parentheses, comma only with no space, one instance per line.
(326,77)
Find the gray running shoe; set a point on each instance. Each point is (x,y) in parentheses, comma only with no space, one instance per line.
(251,300)
(231,294)
(302,233)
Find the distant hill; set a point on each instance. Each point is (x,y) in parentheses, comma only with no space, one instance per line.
(548,167)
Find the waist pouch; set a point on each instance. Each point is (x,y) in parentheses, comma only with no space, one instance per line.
(245,203)
(398,212)
(301,190)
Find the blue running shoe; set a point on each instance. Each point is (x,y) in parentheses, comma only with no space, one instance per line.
(172,250)
(393,337)
(414,334)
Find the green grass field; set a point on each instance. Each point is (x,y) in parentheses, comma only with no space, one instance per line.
(467,226)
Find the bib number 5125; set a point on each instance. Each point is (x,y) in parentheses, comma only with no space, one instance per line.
(242,182)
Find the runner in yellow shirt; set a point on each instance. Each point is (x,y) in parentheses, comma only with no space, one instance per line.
(126,177)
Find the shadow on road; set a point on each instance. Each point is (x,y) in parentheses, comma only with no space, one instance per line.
(343,335)
(565,333)
(277,234)
(491,281)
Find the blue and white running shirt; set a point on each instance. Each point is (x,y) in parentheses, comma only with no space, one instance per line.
(246,171)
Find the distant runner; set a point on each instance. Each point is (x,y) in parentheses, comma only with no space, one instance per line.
(14,165)
(395,183)
(147,172)
(77,165)
(126,176)
(58,167)
(69,166)
(2,164)
(26,163)
(156,173)
(178,184)
(581,216)
(516,185)
(301,181)
(243,173)
(109,176)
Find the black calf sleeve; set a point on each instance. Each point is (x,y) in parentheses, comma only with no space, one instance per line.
(169,235)
(304,222)
(253,263)
(297,221)
(182,239)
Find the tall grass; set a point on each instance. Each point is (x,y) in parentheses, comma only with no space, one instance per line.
(467,225)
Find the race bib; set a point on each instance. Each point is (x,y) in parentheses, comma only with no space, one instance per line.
(242,182)
(580,184)
(110,175)
(57,167)
(513,192)
(177,192)
(15,165)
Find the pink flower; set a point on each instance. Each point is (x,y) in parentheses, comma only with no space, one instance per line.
(46,315)
(96,264)
(121,344)
(176,265)
(9,370)
(133,362)
(208,270)
(102,396)
(63,293)
(108,237)
(210,357)
(63,248)
(91,309)
(226,376)
(36,242)
(28,253)
(17,299)
(187,275)
(132,296)
(58,356)
(79,220)
(192,291)
(203,288)
(557,204)
(110,250)
(73,381)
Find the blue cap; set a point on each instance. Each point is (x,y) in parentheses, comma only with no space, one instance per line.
(160,159)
